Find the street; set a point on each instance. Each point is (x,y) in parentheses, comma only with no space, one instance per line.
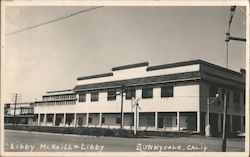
(24,141)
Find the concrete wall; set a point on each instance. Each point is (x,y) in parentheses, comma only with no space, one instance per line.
(139,72)
(233,108)
(186,98)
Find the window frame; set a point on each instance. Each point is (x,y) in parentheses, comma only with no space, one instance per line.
(133,93)
(92,98)
(111,97)
(165,91)
(84,97)
(146,89)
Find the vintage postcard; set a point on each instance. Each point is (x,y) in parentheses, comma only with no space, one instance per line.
(124,78)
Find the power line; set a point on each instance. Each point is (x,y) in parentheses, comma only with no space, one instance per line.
(54,20)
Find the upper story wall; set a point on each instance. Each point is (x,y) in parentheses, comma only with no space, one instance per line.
(223,76)
(185,99)
(233,108)
(136,72)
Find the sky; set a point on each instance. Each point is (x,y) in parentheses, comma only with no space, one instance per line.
(51,57)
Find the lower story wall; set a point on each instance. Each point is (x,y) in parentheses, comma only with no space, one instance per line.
(168,121)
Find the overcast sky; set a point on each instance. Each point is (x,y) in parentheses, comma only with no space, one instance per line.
(52,56)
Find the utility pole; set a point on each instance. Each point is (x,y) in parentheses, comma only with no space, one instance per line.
(16,98)
(207,132)
(228,38)
(122,114)
(224,135)
(15,110)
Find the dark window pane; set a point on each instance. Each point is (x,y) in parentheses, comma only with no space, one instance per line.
(82,97)
(130,93)
(112,95)
(103,120)
(50,118)
(118,120)
(41,117)
(167,91)
(90,120)
(147,93)
(94,96)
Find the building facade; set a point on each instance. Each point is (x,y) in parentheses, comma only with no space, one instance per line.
(19,113)
(171,97)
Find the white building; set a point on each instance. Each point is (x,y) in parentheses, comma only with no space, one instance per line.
(22,113)
(173,97)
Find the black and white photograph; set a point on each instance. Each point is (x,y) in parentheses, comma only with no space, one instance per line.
(103,78)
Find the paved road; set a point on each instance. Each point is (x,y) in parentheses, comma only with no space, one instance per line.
(22,141)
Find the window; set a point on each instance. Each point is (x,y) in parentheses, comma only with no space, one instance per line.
(49,118)
(82,97)
(236,96)
(118,120)
(90,120)
(167,91)
(41,117)
(130,93)
(112,95)
(103,120)
(147,93)
(94,96)
(150,121)
(213,91)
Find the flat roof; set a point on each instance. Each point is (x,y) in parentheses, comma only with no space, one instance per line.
(130,66)
(58,91)
(94,76)
(141,81)
(163,66)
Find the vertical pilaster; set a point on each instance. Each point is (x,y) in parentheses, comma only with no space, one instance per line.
(178,121)
(54,120)
(156,120)
(87,119)
(100,120)
(75,124)
(198,122)
(38,119)
(138,119)
(64,119)
(45,119)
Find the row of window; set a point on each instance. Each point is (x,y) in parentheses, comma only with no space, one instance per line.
(166,91)
(59,103)
(118,120)
(236,94)
(59,97)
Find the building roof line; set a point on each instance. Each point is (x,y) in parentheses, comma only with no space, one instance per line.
(159,67)
(192,62)
(58,91)
(95,76)
(141,80)
(142,64)
(141,84)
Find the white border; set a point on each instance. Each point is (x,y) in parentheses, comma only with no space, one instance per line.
(129,3)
